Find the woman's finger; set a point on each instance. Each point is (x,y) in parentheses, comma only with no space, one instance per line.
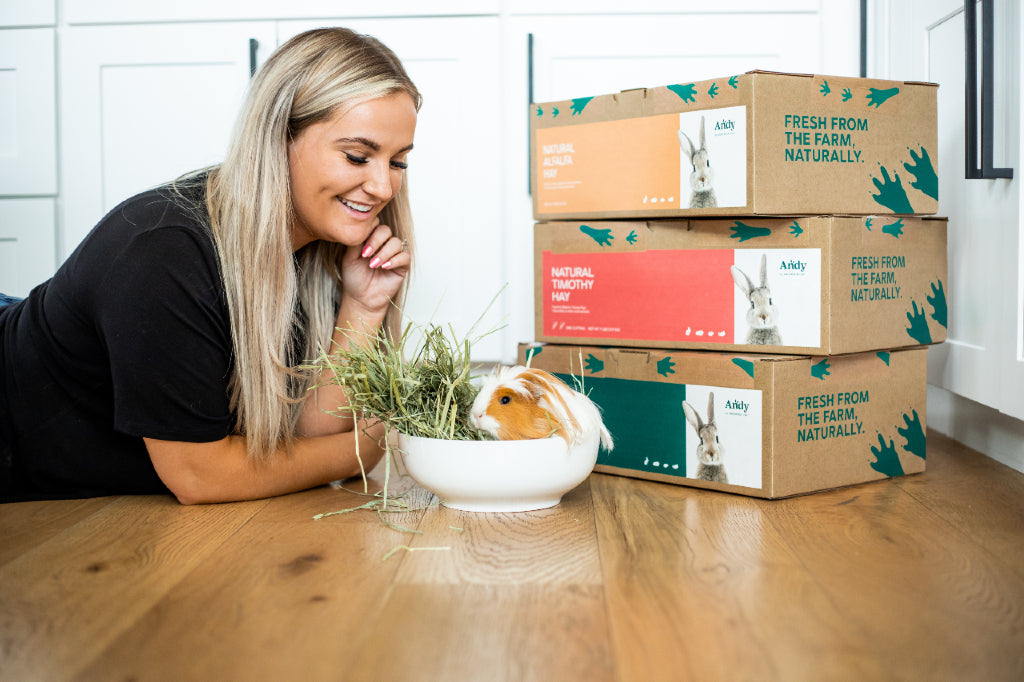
(377,239)
(391,253)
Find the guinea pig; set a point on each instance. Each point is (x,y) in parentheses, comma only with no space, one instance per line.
(516,403)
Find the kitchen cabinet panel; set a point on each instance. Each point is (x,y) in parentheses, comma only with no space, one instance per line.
(144,104)
(131,11)
(28,13)
(655,6)
(28,143)
(27,253)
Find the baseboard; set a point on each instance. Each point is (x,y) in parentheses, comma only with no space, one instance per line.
(977,426)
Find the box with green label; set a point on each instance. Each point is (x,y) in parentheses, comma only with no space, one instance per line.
(760,425)
(758,143)
(821,285)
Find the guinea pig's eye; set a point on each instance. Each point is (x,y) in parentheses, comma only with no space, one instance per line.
(505,400)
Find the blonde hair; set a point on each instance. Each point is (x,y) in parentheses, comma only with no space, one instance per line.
(277,298)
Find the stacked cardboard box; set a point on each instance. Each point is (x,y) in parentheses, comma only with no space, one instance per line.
(789,303)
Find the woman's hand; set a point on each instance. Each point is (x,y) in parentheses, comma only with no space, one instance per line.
(372,274)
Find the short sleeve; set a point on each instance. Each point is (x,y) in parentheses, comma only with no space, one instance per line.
(162,314)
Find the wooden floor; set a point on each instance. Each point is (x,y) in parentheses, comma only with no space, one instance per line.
(919,578)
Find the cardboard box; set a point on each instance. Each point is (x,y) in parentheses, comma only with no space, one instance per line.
(838,284)
(786,425)
(777,144)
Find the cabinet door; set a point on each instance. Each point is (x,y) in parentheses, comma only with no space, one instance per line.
(25,13)
(141,105)
(132,11)
(28,131)
(454,171)
(27,251)
(982,357)
(583,56)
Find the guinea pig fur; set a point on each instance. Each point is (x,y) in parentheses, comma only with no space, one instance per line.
(517,403)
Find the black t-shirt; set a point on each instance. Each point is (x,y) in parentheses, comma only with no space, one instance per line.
(130,338)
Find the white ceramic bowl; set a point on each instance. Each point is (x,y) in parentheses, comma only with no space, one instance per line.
(498,475)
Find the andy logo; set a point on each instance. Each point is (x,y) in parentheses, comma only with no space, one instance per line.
(738,406)
(726,124)
(793,266)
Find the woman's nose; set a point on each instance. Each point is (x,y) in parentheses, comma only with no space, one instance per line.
(378,181)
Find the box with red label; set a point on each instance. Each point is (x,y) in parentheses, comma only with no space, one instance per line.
(759,143)
(821,285)
(760,425)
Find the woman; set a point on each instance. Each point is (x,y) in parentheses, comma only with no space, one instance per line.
(165,353)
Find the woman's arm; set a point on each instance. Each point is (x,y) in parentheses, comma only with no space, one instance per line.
(222,471)
(372,276)
(353,326)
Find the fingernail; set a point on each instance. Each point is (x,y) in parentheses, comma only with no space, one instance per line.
(375,262)
(367,251)
(386,265)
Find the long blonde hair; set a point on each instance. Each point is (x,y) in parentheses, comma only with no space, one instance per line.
(277,298)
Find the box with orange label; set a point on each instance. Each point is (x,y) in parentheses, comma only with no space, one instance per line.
(754,144)
(780,425)
(821,285)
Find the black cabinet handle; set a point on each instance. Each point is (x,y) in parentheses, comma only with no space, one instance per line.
(529,98)
(254,46)
(984,170)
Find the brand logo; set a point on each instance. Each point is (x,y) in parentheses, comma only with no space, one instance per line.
(793,266)
(725,124)
(738,406)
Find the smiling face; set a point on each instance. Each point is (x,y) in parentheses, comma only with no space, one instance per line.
(345,169)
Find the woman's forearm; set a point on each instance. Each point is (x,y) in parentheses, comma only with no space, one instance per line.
(222,471)
(323,412)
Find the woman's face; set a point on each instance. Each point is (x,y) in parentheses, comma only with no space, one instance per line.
(346,168)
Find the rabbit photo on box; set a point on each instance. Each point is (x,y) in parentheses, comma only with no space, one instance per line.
(516,403)
(762,316)
(702,194)
(710,452)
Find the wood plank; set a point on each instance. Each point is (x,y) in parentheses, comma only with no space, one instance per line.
(932,603)
(701,586)
(981,497)
(555,546)
(286,593)
(65,601)
(519,633)
(25,525)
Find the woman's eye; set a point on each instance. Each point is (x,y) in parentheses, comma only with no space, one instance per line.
(354,158)
(400,165)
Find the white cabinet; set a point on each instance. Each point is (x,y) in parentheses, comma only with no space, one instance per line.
(28,151)
(28,12)
(144,104)
(27,253)
(983,358)
(133,11)
(454,171)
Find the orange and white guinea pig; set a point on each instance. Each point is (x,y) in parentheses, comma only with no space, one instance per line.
(516,403)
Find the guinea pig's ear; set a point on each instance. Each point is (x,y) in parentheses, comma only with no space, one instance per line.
(537,382)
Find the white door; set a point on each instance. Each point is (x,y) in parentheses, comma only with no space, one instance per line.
(454,171)
(924,40)
(141,105)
